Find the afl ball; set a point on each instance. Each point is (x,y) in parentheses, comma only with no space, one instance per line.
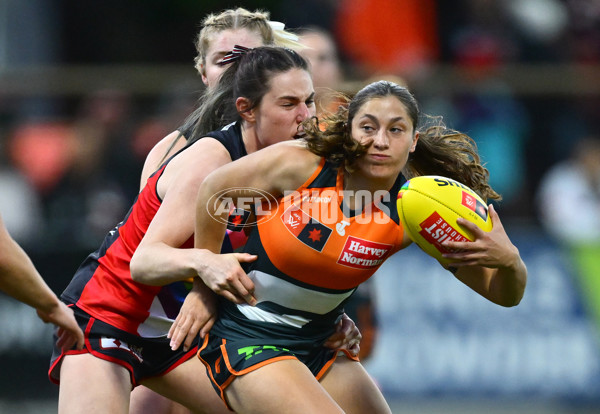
(429,206)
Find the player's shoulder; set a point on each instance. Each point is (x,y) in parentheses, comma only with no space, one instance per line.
(290,145)
(291,150)
(196,161)
(292,155)
(206,148)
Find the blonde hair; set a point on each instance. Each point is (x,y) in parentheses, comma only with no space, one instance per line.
(272,33)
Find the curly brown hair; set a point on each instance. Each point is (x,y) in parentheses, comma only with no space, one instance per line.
(439,151)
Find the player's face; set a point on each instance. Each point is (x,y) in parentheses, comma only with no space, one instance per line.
(289,101)
(221,44)
(384,125)
(320,52)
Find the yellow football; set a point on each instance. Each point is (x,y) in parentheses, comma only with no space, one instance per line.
(429,206)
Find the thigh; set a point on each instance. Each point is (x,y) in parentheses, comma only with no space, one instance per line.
(285,386)
(353,388)
(144,400)
(189,385)
(92,385)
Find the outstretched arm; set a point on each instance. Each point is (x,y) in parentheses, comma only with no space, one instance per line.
(491,264)
(20,279)
(270,171)
(222,273)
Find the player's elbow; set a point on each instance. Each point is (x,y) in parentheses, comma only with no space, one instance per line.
(510,302)
(512,296)
(138,269)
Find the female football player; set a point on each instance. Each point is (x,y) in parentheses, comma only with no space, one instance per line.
(123,347)
(334,222)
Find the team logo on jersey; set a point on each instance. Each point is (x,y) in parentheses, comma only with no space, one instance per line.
(238,217)
(472,203)
(113,343)
(341,227)
(306,229)
(363,254)
(435,230)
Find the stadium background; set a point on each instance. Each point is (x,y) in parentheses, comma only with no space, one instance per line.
(522,77)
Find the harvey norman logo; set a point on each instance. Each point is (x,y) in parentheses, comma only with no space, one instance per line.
(363,254)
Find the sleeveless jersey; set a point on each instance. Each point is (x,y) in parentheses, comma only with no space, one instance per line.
(103,287)
(312,254)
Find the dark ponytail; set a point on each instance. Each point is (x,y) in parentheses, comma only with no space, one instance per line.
(249,77)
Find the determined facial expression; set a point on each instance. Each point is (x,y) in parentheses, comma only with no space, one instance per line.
(384,125)
(289,101)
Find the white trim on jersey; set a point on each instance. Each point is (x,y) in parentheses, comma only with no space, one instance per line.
(257,314)
(268,288)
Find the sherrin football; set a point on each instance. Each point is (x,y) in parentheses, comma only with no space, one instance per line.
(429,206)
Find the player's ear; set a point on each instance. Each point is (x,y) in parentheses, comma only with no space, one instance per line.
(203,74)
(414,145)
(244,108)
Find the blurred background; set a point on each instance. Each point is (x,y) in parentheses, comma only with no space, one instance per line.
(88,87)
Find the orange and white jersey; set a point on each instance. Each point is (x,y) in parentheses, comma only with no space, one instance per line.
(313,252)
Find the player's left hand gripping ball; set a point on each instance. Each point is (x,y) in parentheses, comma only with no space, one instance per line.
(429,206)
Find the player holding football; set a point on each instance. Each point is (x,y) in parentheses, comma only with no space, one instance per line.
(264,352)
(219,34)
(124,347)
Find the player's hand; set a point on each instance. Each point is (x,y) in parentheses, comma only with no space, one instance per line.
(196,316)
(224,275)
(69,334)
(347,336)
(490,249)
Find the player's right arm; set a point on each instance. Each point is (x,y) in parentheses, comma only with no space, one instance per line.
(491,264)
(273,170)
(159,260)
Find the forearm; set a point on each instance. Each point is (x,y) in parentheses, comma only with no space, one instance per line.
(20,279)
(160,264)
(210,226)
(507,285)
(503,285)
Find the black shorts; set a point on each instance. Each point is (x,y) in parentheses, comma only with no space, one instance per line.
(225,360)
(142,357)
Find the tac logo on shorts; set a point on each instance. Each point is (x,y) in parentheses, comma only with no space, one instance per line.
(363,254)
(252,351)
(472,203)
(435,230)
